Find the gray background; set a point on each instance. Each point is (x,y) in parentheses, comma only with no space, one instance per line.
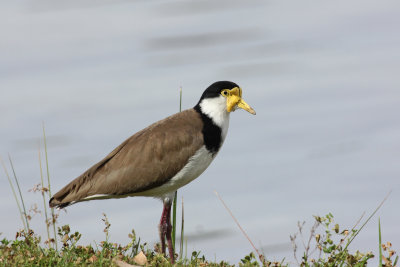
(322,76)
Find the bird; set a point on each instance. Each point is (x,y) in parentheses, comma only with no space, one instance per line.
(161,158)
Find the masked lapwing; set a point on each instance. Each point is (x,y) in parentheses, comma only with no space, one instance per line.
(161,158)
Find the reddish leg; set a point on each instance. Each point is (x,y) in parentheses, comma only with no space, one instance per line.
(165,229)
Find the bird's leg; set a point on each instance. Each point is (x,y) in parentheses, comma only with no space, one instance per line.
(169,236)
(162,229)
(165,228)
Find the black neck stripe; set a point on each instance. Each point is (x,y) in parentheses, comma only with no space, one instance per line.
(211,132)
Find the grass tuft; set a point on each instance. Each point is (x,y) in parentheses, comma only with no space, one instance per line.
(15,194)
(25,215)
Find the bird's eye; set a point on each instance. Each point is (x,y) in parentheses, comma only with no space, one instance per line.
(224,93)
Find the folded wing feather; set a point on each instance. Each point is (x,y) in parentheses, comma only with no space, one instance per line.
(146,160)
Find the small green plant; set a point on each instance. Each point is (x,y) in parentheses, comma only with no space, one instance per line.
(388,258)
(330,243)
(249,260)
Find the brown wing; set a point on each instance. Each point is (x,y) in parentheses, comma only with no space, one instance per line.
(146,160)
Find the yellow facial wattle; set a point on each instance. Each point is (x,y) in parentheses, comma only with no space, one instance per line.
(234,99)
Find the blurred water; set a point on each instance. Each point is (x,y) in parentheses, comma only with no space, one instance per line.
(323,78)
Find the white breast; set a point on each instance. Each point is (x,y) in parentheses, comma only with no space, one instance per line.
(196,165)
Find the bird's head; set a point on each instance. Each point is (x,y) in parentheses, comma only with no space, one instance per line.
(224,95)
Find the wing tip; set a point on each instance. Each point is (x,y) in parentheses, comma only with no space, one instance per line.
(53,203)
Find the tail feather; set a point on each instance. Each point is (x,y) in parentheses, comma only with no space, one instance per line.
(81,187)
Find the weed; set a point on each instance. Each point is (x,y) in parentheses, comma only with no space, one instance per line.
(330,243)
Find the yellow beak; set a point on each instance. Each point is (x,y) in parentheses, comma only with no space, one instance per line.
(234,99)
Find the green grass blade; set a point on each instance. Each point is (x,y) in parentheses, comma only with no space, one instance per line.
(43,196)
(174,220)
(369,218)
(49,187)
(20,193)
(15,194)
(182,232)
(47,161)
(380,243)
(396,260)
(176,192)
(186,250)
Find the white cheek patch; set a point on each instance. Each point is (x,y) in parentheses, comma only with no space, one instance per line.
(215,108)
